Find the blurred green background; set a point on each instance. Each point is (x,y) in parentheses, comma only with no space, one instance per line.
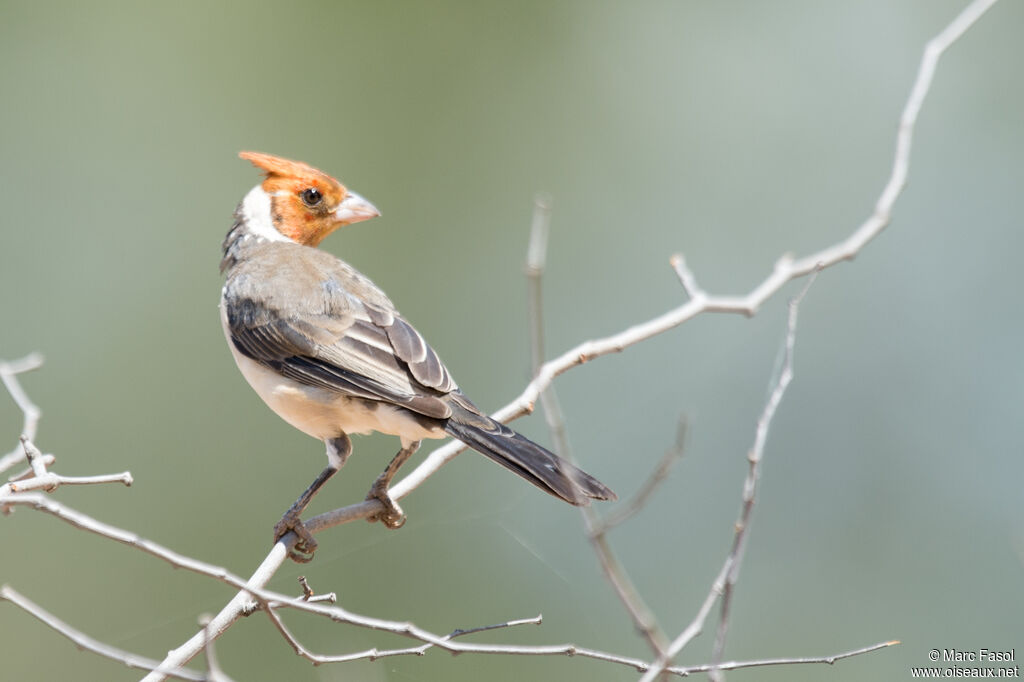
(733,132)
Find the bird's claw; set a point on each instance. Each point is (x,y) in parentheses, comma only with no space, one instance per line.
(392,515)
(302,551)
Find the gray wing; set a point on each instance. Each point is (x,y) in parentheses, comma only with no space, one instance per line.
(340,342)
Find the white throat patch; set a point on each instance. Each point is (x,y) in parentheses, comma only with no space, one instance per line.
(258,220)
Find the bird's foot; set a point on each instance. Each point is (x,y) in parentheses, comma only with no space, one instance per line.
(302,551)
(392,515)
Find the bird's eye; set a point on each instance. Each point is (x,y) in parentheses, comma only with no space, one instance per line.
(311,197)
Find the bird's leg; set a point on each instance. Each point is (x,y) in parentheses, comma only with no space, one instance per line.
(392,516)
(303,551)
(338,450)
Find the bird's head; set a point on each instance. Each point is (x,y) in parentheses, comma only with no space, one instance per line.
(299,203)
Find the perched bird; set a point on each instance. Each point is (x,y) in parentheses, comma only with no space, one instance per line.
(328,352)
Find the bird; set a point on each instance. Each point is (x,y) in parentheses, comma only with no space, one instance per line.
(327,350)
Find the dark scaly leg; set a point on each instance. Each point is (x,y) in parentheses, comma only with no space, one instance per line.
(392,516)
(338,450)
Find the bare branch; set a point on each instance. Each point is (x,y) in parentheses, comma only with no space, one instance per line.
(9,372)
(686,277)
(727,577)
(213,670)
(50,481)
(830,660)
(785,270)
(86,642)
(536,259)
(404,629)
(38,478)
(643,617)
(270,601)
(47,461)
(897,181)
(309,595)
(33,455)
(754,458)
(374,654)
(87,523)
(629,508)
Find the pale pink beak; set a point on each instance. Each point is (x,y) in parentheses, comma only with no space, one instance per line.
(355,209)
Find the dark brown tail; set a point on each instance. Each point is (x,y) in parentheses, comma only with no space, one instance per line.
(544,469)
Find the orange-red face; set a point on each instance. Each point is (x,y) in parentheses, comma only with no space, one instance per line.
(307,204)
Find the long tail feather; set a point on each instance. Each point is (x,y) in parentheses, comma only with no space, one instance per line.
(544,469)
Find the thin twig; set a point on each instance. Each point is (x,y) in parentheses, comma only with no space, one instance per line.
(374,654)
(643,617)
(47,462)
(754,459)
(830,660)
(39,478)
(726,580)
(272,601)
(84,641)
(255,588)
(9,372)
(33,455)
(786,269)
(50,481)
(685,276)
(625,511)
(641,614)
(309,595)
(536,260)
(213,670)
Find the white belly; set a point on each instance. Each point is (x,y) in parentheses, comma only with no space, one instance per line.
(321,413)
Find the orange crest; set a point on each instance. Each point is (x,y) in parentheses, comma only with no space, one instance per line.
(286,183)
(276,165)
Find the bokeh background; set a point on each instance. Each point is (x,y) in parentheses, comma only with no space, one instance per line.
(891,504)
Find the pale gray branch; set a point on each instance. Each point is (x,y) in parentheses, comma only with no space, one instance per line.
(374,654)
(643,617)
(38,478)
(9,372)
(736,665)
(754,459)
(47,461)
(727,576)
(785,270)
(86,642)
(659,475)
(214,673)
(255,588)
